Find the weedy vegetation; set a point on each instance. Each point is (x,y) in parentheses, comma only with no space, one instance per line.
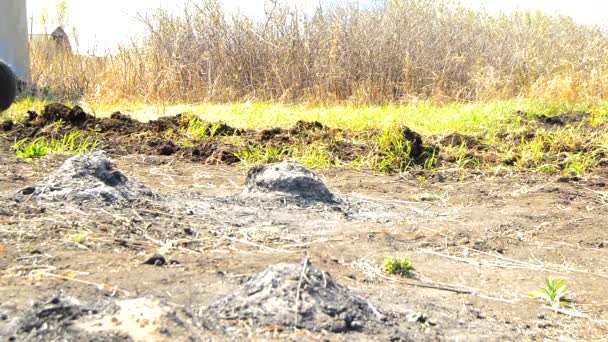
(33,149)
(78,238)
(398,266)
(433,66)
(553,294)
(71,143)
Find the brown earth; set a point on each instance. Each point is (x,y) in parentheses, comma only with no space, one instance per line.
(167,136)
(479,245)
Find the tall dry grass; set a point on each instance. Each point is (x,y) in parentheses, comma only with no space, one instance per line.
(64,74)
(399,51)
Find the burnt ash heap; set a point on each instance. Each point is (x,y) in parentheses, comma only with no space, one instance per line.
(290,182)
(270,298)
(53,320)
(89,177)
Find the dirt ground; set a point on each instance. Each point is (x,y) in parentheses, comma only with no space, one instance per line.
(479,245)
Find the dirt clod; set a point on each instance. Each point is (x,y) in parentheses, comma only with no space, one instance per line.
(7,125)
(57,111)
(457,139)
(564,118)
(156,260)
(288,295)
(120,116)
(57,310)
(167,149)
(303,126)
(415,141)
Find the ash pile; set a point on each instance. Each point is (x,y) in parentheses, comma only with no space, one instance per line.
(54,320)
(286,194)
(86,178)
(293,295)
(288,183)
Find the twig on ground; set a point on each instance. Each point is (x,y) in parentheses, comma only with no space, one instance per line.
(429,284)
(297,306)
(248,243)
(572,313)
(513,263)
(114,289)
(372,307)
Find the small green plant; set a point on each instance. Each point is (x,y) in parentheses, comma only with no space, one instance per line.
(58,124)
(34,149)
(465,158)
(78,238)
(72,143)
(553,293)
(547,168)
(252,155)
(574,164)
(315,156)
(198,129)
(398,266)
(394,151)
(429,163)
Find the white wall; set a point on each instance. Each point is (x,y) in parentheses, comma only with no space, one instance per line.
(14,48)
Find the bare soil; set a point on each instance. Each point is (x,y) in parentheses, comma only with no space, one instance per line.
(77,269)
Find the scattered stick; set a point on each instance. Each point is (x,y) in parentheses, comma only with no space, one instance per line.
(248,243)
(99,286)
(297,306)
(305,244)
(429,284)
(477,262)
(372,307)
(572,313)
(513,263)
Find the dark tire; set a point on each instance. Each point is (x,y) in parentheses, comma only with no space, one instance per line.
(8,86)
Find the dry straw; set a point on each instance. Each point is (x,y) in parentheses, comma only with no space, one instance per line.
(394,51)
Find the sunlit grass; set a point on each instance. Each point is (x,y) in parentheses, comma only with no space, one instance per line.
(423,117)
(72,143)
(510,143)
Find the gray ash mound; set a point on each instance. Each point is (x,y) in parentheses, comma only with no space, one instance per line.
(270,298)
(89,177)
(284,193)
(290,182)
(54,320)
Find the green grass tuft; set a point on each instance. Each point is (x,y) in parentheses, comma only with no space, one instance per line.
(72,143)
(398,266)
(553,294)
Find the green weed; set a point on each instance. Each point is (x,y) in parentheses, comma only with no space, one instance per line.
(575,163)
(252,155)
(429,163)
(198,130)
(315,156)
(78,238)
(34,149)
(72,143)
(394,150)
(553,294)
(398,266)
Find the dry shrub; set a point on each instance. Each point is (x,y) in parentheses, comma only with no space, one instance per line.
(398,51)
(66,75)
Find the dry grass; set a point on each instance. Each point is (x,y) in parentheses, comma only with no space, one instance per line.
(399,52)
